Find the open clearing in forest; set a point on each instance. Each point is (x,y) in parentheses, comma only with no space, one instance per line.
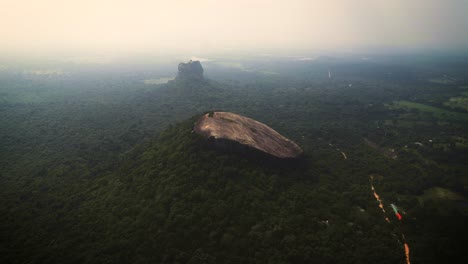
(458,102)
(437,193)
(436,112)
(442,80)
(160,80)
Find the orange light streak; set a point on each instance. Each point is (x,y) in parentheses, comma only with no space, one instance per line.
(407,251)
(377,197)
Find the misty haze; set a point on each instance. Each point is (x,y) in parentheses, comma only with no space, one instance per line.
(256,131)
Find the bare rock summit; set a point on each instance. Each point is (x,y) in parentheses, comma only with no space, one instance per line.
(246,131)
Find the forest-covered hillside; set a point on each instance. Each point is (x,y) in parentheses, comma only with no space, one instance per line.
(100,166)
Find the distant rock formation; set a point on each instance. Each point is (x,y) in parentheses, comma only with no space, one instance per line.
(247,132)
(191,70)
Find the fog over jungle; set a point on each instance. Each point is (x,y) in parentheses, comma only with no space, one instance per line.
(200,27)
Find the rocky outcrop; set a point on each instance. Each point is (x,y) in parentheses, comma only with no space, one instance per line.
(247,132)
(191,70)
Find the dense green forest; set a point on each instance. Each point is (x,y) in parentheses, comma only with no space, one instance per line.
(98,166)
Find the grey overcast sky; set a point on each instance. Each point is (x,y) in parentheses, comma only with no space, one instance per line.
(201,26)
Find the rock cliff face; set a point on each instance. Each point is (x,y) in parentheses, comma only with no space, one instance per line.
(191,70)
(247,132)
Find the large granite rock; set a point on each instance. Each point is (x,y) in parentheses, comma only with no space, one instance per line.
(191,70)
(247,132)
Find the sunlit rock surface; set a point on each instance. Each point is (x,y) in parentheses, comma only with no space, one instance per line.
(246,131)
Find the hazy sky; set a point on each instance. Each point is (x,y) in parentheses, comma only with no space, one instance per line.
(201,26)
